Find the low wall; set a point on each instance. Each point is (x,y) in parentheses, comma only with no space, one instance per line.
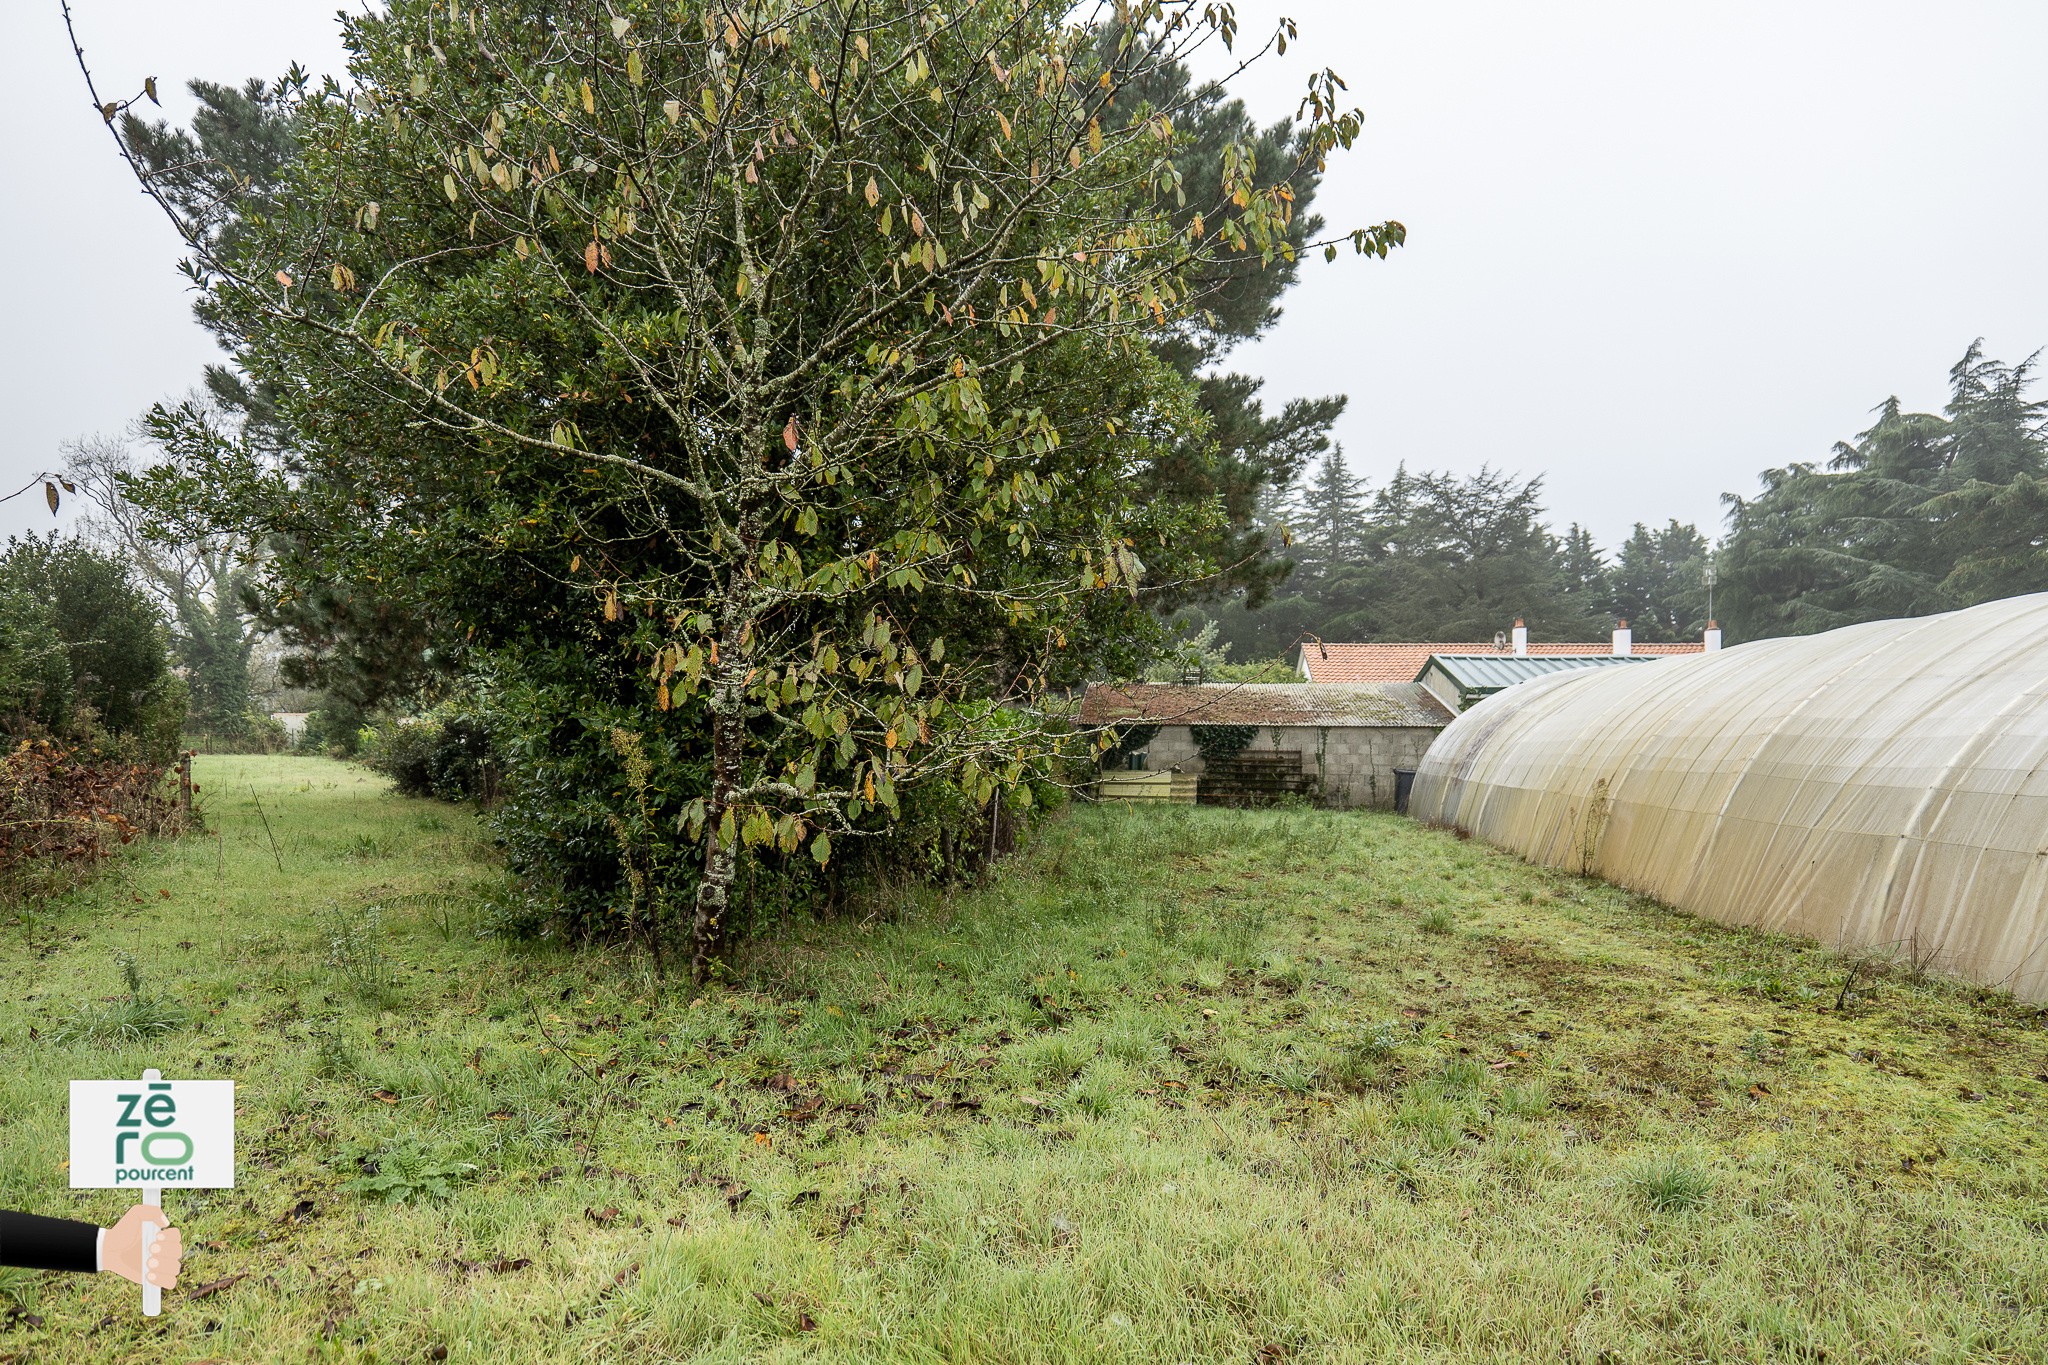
(1354,764)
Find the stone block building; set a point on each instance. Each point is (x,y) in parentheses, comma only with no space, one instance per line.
(1336,744)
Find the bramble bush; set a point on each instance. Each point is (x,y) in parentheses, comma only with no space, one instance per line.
(64,810)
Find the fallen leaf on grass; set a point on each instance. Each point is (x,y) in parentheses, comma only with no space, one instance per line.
(212,1287)
(1972,1096)
(604,1217)
(385,1095)
(1759,1090)
(500,1116)
(735,1195)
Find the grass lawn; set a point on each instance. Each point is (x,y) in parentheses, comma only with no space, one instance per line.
(1180,1085)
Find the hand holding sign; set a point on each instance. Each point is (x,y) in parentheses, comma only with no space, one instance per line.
(122,1254)
(146,1136)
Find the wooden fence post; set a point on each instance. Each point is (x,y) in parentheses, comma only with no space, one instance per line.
(185,782)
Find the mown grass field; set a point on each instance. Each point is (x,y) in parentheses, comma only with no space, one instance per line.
(1183,1085)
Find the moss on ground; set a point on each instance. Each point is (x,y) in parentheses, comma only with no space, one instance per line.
(1177,1085)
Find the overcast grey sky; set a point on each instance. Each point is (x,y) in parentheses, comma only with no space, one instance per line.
(1653,248)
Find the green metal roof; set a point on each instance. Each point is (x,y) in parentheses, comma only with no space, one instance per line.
(1484,674)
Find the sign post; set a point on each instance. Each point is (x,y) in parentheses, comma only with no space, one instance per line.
(149,1136)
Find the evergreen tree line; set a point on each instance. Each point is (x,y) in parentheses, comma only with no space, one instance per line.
(1923,512)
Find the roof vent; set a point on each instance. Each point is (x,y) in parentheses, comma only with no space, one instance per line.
(1624,638)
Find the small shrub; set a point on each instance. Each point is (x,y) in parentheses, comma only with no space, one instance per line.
(446,754)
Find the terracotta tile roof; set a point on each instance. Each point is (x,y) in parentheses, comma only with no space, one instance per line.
(1334,663)
(1366,704)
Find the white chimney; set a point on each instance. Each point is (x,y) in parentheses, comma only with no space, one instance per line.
(1521,636)
(1713,636)
(1624,638)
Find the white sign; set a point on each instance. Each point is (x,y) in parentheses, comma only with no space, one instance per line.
(152,1133)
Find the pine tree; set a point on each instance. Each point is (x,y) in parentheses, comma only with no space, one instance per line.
(1658,583)
(1330,516)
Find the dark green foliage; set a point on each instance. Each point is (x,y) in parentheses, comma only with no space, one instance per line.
(361,643)
(1921,513)
(1658,583)
(35,672)
(110,638)
(1221,743)
(219,175)
(1429,556)
(445,753)
(1246,453)
(334,727)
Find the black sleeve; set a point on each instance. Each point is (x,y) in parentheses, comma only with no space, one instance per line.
(33,1242)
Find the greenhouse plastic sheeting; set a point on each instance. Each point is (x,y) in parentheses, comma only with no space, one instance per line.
(1883,786)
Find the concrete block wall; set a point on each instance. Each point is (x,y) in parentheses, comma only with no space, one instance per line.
(1356,762)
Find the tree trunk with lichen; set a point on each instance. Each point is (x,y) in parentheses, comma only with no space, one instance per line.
(721,849)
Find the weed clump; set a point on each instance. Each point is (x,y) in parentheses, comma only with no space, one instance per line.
(355,949)
(1670,1184)
(402,1172)
(136,1016)
(1360,1061)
